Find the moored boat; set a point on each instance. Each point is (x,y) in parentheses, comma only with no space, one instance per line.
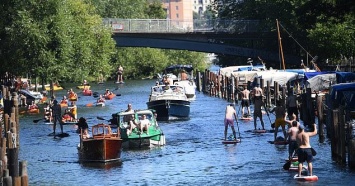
(151,134)
(181,75)
(169,102)
(103,146)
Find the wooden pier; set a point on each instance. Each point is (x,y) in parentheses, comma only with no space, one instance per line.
(13,172)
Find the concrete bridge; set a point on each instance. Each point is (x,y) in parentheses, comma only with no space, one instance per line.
(200,36)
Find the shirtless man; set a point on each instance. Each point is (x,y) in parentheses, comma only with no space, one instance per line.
(245,100)
(280,113)
(229,120)
(304,151)
(257,93)
(292,139)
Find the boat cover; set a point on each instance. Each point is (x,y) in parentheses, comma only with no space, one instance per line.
(321,82)
(343,90)
(345,77)
(309,75)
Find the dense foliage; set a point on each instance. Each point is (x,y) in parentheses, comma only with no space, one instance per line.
(66,40)
(325,28)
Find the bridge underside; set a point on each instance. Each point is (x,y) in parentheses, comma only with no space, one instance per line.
(199,46)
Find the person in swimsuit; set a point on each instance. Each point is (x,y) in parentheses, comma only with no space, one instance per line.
(229,120)
(280,113)
(304,151)
(292,139)
(245,101)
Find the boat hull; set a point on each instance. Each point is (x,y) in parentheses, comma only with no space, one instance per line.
(170,108)
(100,150)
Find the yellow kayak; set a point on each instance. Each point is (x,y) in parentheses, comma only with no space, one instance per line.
(82,87)
(55,87)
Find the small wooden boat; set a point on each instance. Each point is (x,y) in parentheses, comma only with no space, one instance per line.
(104,145)
(33,111)
(110,96)
(87,92)
(83,87)
(100,104)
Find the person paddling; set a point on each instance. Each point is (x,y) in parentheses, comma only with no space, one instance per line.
(229,120)
(57,115)
(304,151)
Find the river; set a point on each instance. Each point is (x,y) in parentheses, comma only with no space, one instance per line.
(193,154)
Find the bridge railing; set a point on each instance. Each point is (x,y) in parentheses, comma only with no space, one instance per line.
(181,26)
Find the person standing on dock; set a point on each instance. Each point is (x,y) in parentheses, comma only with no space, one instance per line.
(304,152)
(229,120)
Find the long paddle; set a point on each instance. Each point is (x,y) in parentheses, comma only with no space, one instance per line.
(267,113)
(36,120)
(287,165)
(237,121)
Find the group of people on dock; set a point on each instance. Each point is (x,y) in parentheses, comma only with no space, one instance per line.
(295,136)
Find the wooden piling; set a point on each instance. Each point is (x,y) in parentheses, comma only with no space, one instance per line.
(23,173)
(320,118)
(351,154)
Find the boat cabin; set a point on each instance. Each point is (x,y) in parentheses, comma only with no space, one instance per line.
(101,131)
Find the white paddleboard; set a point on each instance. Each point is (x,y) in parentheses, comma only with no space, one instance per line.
(305,178)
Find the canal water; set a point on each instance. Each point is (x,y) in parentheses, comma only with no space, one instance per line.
(193,155)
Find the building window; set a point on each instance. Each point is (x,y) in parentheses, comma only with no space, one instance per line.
(177,7)
(177,15)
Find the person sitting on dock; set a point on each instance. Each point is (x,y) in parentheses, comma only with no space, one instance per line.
(280,113)
(245,101)
(229,120)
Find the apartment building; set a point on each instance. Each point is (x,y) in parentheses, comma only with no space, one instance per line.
(201,5)
(180,12)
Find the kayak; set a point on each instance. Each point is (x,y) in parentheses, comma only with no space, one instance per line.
(33,111)
(87,92)
(55,87)
(83,86)
(111,96)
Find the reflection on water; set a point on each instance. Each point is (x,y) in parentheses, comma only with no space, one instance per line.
(193,155)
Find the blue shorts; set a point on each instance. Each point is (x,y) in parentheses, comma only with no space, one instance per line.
(304,154)
(292,146)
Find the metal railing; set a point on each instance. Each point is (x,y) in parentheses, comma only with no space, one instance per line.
(181,26)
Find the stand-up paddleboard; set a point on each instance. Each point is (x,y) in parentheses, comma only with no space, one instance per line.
(231,141)
(60,135)
(48,123)
(248,118)
(100,104)
(280,142)
(259,131)
(305,178)
(119,82)
(294,167)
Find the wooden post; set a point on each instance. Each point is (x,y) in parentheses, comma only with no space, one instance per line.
(351,154)
(198,81)
(276,92)
(320,118)
(268,94)
(342,136)
(334,138)
(7,178)
(23,173)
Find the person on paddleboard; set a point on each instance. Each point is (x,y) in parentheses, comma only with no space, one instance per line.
(292,139)
(229,120)
(304,151)
(280,113)
(57,116)
(120,74)
(245,101)
(258,104)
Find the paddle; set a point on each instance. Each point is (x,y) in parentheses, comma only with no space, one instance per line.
(287,165)
(237,121)
(36,120)
(101,118)
(267,113)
